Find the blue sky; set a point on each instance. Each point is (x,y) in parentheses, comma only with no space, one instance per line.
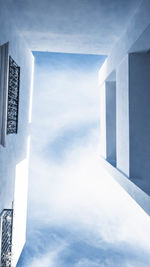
(78,216)
(65,61)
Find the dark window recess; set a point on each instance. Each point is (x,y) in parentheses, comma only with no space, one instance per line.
(13,97)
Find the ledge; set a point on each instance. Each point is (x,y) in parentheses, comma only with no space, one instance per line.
(141,198)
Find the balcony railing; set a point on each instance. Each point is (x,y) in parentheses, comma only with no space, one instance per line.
(13,97)
(6,219)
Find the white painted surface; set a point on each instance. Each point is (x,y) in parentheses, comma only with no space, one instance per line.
(141,198)
(122,116)
(103,120)
(134,38)
(132,85)
(133,118)
(16,144)
(20,208)
(139,112)
(15,150)
(73,26)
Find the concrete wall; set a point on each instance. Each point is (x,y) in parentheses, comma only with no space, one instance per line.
(16,144)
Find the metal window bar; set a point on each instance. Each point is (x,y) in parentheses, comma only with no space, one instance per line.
(6,237)
(13,97)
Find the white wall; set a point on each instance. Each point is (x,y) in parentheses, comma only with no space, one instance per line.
(131,61)
(103,120)
(134,39)
(20,208)
(133,118)
(122,116)
(15,150)
(16,144)
(139,116)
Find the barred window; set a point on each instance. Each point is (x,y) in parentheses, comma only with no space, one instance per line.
(13,97)
(6,237)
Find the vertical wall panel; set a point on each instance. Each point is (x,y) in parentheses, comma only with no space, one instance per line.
(103,120)
(139,110)
(122,118)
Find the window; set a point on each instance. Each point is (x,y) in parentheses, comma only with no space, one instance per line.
(13,97)
(6,218)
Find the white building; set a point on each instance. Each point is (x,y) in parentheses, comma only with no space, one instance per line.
(95,27)
(14,147)
(125,110)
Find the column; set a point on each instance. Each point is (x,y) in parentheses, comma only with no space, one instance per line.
(133,118)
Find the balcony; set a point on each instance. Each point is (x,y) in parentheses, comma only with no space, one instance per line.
(6,221)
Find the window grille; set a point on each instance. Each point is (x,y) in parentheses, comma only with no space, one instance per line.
(6,237)
(13,97)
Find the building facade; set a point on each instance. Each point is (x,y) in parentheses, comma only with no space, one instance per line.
(125,110)
(125,119)
(16,77)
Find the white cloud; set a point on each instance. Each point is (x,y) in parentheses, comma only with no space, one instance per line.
(48,259)
(88,263)
(76,193)
(79,192)
(67,100)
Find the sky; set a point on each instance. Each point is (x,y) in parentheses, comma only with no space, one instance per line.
(78,216)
